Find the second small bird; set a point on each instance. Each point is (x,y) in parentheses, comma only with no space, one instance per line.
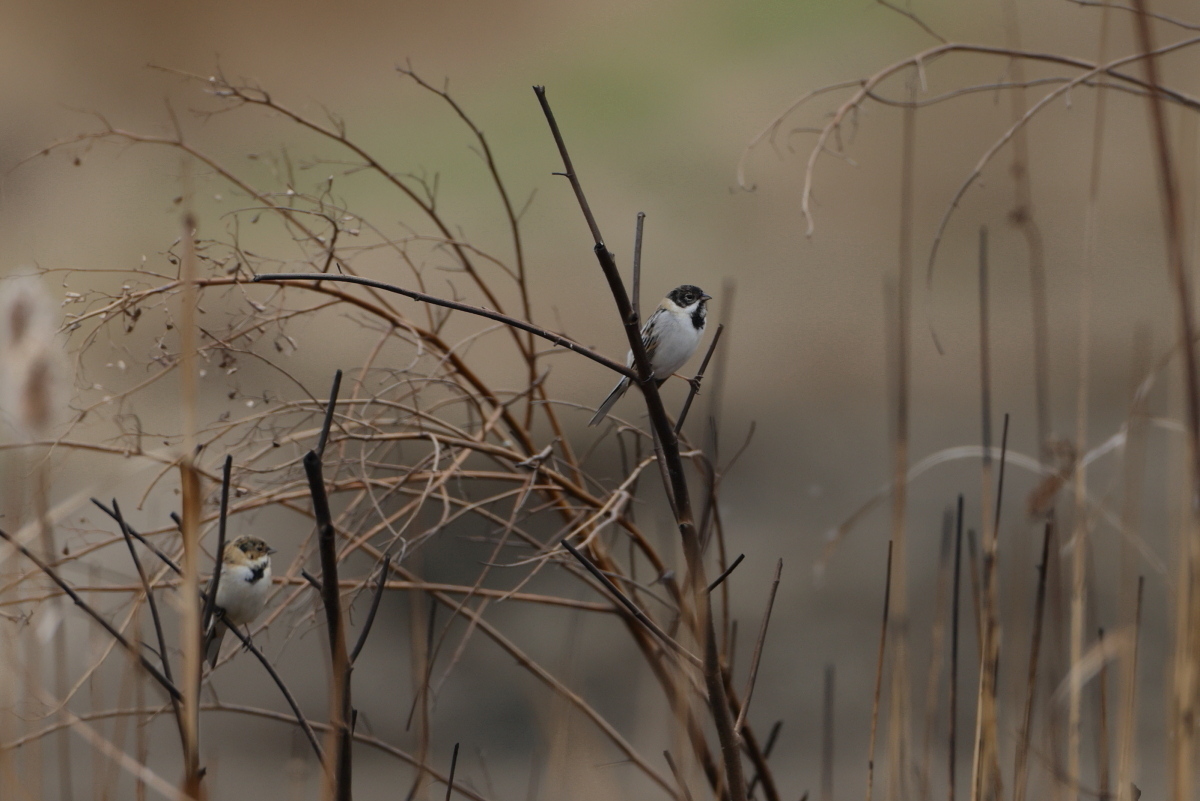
(242,591)
(670,337)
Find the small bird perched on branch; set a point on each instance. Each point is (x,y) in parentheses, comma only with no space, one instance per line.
(670,337)
(242,591)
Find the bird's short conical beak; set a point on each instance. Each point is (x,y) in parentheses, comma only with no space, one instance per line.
(270,550)
(705,297)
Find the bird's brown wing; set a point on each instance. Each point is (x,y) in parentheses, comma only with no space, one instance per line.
(649,344)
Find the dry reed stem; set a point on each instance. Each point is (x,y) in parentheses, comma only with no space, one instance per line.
(827,741)
(883,630)
(937,649)
(1081,537)
(191,503)
(985,771)
(1130,585)
(899,729)
(1186,674)
(1021,760)
(758,647)
(952,734)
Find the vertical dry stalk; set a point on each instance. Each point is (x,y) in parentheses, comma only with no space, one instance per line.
(883,630)
(937,654)
(1022,217)
(66,787)
(337,769)
(1129,583)
(1186,660)
(985,772)
(1104,776)
(1128,714)
(1080,538)
(1021,761)
(9,783)
(420,634)
(898,722)
(141,741)
(955,605)
(827,718)
(190,515)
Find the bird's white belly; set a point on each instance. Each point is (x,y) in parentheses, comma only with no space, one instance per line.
(241,599)
(675,345)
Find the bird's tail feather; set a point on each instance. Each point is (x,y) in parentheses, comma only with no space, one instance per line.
(212,642)
(610,401)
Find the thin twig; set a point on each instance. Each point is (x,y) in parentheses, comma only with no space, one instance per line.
(512,322)
(695,382)
(719,579)
(1106,4)
(769,746)
(1000,477)
(1020,771)
(141,571)
(375,599)
(249,645)
(952,760)
(453,766)
(758,646)
(1129,705)
(210,602)
(154,615)
(827,718)
(916,20)
(166,560)
(683,788)
(631,606)
(887,601)
(636,299)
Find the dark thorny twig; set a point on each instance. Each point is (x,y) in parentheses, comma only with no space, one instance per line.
(512,322)
(758,646)
(210,601)
(339,697)
(375,599)
(678,489)
(630,605)
(725,574)
(695,382)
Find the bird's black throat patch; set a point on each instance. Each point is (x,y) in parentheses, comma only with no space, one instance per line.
(256,573)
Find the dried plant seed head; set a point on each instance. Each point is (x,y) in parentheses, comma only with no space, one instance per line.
(35,407)
(18,320)
(28,316)
(32,371)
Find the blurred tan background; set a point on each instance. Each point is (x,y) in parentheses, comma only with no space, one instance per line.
(657,101)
